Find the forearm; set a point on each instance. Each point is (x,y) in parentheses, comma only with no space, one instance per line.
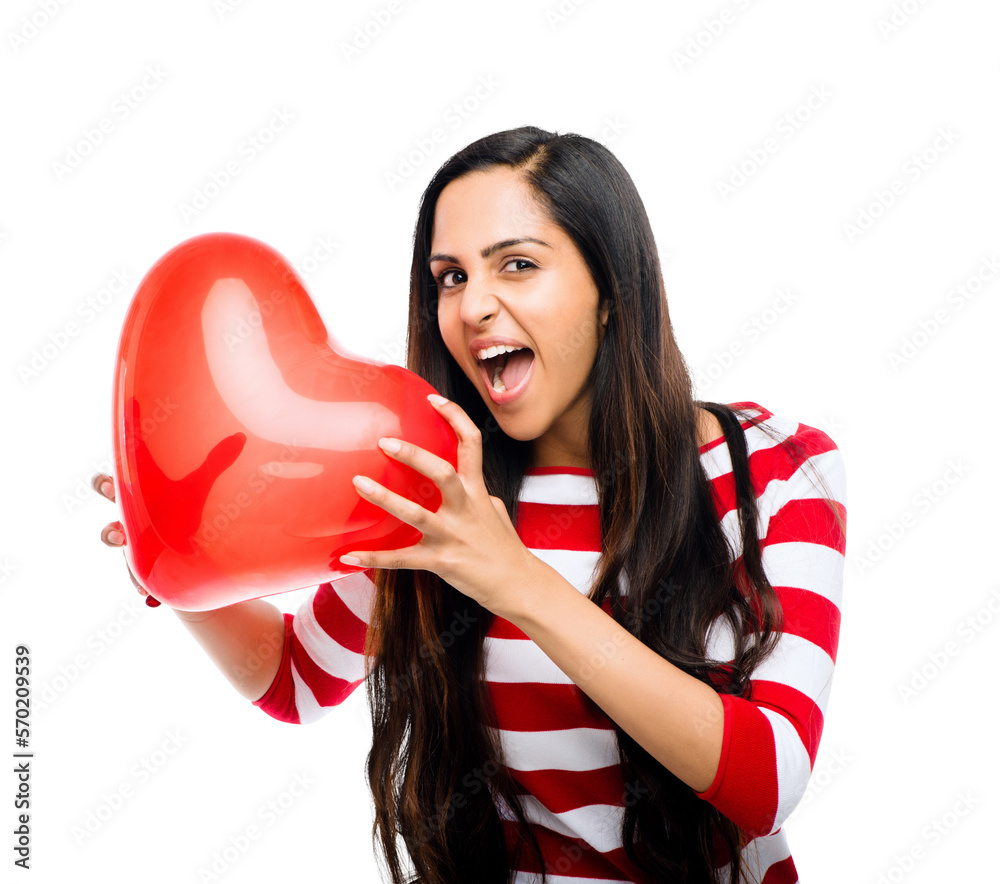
(672,715)
(244,640)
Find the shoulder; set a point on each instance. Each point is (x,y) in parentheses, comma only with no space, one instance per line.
(786,436)
(778,448)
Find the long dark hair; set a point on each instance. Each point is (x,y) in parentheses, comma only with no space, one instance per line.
(435,768)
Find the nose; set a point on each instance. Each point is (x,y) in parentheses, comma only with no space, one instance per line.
(479,304)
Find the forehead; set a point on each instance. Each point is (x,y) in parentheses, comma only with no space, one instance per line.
(483,207)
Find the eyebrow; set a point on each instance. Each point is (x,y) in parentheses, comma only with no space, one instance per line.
(489,250)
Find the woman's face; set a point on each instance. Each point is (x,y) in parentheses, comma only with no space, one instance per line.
(508,276)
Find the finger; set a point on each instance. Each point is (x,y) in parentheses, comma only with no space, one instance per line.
(104,485)
(428,464)
(412,557)
(470,438)
(395,504)
(113,534)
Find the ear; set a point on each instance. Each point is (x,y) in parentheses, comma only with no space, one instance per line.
(603,314)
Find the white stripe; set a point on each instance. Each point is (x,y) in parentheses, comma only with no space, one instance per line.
(806,565)
(792,765)
(518,660)
(560,488)
(357,593)
(576,565)
(305,701)
(577,748)
(717,461)
(730,523)
(800,664)
(329,655)
(721,643)
(803,482)
(759,855)
(600,825)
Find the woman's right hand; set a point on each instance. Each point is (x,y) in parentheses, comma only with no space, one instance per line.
(113,534)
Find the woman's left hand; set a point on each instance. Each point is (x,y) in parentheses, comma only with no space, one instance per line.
(470,541)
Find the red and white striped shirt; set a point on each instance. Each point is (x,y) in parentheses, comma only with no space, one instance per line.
(558,744)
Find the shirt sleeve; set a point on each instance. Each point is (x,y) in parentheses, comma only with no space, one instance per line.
(322,658)
(770,738)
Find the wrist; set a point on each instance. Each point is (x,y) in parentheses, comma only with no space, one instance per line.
(523,590)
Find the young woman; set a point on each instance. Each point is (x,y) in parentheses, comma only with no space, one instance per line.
(609,656)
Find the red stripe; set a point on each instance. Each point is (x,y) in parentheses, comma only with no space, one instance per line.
(337,620)
(746,788)
(550,471)
(329,690)
(810,520)
(564,790)
(340,623)
(798,708)
(279,700)
(572,856)
(558,526)
(782,872)
(811,616)
(552,707)
(501,628)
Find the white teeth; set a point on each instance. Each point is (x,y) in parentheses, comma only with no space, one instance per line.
(490,352)
(498,384)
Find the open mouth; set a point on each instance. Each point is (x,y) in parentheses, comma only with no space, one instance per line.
(505,373)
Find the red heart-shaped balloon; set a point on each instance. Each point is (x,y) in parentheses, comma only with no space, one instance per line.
(238,426)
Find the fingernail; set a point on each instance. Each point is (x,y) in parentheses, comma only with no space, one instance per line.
(350,560)
(363,484)
(153,603)
(116,536)
(106,489)
(390,445)
(436,399)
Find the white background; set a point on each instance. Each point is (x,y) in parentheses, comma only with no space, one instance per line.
(125,683)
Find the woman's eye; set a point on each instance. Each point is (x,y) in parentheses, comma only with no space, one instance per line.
(525,261)
(442,278)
